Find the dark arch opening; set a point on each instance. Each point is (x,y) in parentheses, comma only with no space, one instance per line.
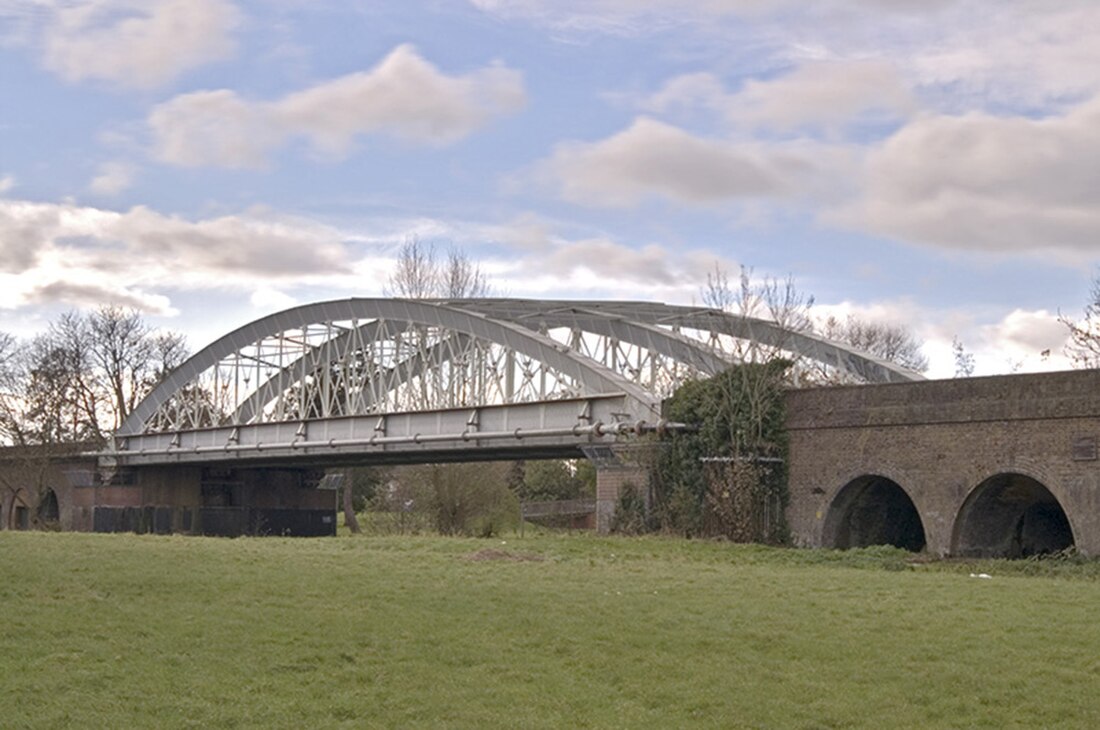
(873,510)
(1011,516)
(49,512)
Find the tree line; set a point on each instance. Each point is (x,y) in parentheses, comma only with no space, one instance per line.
(79,379)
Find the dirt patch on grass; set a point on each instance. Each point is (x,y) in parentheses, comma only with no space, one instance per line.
(496,554)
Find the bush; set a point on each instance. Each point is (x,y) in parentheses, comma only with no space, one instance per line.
(630,513)
(465,499)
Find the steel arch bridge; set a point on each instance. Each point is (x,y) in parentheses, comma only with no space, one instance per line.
(422,380)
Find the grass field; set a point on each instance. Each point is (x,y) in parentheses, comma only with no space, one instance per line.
(547,631)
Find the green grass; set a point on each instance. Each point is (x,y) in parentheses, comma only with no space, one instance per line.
(142,631)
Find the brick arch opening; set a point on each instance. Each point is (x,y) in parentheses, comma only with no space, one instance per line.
(49,510)
(1011,516)
(873,510)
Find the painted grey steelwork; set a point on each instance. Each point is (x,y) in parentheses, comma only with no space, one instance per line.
(843,358)
(434,378)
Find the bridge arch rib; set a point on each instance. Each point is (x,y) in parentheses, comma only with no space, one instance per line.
(651,344)
(415,316)
(673,319)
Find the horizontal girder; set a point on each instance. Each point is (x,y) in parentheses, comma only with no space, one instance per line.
(551,427)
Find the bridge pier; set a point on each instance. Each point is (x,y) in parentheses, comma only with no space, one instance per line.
(611,483)
(217,501)
(42,488)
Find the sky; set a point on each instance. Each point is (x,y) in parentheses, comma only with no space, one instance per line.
(929,163)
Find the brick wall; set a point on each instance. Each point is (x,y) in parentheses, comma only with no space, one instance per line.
(939,440)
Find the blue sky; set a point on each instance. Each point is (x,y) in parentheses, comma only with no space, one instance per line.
(934,163)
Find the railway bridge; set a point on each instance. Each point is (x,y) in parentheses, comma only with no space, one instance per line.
(235,439)
(240,431)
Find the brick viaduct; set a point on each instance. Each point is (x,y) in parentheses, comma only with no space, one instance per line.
(996,466)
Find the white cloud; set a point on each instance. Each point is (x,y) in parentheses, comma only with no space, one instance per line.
(6,183)
(967,53)
(829,94)
(271,300)
(654,159)
(113,178)
(1027,334)
(547,263)
(1023,53)
(995,184)
(215,128)
(77,254)
(404,96)
(1022,340)
(136,43)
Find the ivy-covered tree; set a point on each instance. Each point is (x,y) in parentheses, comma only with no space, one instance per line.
(728,477)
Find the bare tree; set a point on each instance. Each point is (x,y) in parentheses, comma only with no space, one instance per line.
(893,342)
(78,380)
(770,298)
(420,274)
(13,403)
(417,273)
(128,357)
(58,386)
(461,278)
(1083,348)
(964,361)
(122,351)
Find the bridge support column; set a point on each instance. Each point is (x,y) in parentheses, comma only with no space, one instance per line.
(611,483)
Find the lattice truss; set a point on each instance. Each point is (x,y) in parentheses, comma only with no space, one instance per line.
(337,369)
(662,374)
(657,373)
(372,356)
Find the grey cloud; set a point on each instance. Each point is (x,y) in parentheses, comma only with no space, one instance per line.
(88,294)
(231,243)
(25,229)
(985,183)
(542,253)
(67,252)
(825,95)
(651,158)
(649,265)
